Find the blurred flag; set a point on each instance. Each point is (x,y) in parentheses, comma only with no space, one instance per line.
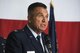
(52,29)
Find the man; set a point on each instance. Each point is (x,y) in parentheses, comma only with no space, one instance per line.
(25,40)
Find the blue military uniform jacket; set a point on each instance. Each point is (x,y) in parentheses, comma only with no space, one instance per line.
(23,41)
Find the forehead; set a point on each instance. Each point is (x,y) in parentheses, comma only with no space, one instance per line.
(40,9)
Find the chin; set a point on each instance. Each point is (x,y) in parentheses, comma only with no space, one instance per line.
(43,29)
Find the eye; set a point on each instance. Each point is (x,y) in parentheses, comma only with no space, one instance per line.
(46,16)
(40,15)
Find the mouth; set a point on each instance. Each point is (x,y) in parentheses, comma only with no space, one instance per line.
(43,25)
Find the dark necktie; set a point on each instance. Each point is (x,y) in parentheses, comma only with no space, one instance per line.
(38,39)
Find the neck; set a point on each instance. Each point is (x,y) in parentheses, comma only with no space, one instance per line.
(34,29)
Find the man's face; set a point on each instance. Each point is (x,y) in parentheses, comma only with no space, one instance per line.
(40,19)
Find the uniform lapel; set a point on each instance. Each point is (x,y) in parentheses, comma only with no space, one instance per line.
(32,39)
(45,43)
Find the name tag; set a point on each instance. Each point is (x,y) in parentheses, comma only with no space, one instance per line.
(30,51)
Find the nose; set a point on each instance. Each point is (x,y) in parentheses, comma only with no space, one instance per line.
(44,19)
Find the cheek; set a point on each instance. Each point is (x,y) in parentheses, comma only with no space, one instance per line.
(46,21)
(37,22)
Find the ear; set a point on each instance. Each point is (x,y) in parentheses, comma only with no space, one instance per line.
(29,19)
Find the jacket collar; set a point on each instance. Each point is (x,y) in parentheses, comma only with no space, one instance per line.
(32,39)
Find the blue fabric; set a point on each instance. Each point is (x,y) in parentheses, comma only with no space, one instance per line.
(52,31)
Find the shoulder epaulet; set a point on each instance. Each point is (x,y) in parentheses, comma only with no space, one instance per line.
(15,30)
(18,30)
(23,30)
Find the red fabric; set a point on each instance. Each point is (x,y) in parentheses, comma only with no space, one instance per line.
(68,33)
(6,26)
